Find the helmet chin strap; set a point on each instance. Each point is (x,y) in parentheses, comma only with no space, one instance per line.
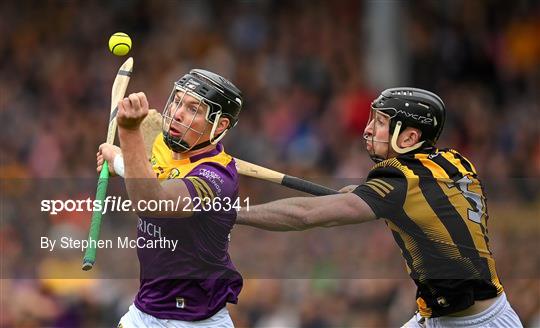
(214,127)
(393,141)
(211,141)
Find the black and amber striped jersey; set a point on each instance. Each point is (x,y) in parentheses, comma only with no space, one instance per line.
(435,206)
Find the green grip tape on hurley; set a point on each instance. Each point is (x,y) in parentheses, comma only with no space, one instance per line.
(95,224)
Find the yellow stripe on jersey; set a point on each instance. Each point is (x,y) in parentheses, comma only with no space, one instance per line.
(462,206)
(201,190)
(408,173)
(383,185)
(495,277)
(376,188)
(196,187)
(206,187)
(465,159)
(201,185)
(411,247)
(423,309)
(455,196)
(437,171)
(456,162)
(415,207)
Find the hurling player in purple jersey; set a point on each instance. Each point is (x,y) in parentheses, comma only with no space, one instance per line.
(187,276)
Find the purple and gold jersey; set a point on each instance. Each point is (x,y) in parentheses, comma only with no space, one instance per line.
(195,279)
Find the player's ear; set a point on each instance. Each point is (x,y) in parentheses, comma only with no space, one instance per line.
(411,136)
(223,124)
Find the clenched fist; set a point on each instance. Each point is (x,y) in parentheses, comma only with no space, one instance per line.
(132,110)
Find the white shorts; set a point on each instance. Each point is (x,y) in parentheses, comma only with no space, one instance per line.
(499,315)
(135,318)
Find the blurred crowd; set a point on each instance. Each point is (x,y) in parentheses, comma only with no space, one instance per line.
(303,69)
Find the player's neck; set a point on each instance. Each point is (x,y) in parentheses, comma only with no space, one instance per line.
(193,152)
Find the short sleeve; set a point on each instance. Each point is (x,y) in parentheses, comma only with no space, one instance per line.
(384,191)
(212,180)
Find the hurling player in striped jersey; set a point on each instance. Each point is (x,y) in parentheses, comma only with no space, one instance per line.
(434,204)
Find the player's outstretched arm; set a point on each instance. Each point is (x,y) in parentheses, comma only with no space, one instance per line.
(303,213)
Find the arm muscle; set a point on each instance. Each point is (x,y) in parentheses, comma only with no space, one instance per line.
(302,213)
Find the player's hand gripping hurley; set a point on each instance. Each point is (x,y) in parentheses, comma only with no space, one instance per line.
(118,91)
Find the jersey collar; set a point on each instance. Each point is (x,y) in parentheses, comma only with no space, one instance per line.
(210,153)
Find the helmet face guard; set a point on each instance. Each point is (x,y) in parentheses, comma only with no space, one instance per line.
(174,131)
(377,121)
(214,94)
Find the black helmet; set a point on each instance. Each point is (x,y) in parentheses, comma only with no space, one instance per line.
(413,107)
(218,93)
(222,97)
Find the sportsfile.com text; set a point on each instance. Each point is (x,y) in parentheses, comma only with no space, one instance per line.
(120,204)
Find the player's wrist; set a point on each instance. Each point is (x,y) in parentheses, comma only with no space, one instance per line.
(118,165)
(129,129)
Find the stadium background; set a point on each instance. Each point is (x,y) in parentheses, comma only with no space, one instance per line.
(309,70)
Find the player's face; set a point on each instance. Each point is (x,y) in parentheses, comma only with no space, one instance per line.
(188,119)
(377,134)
